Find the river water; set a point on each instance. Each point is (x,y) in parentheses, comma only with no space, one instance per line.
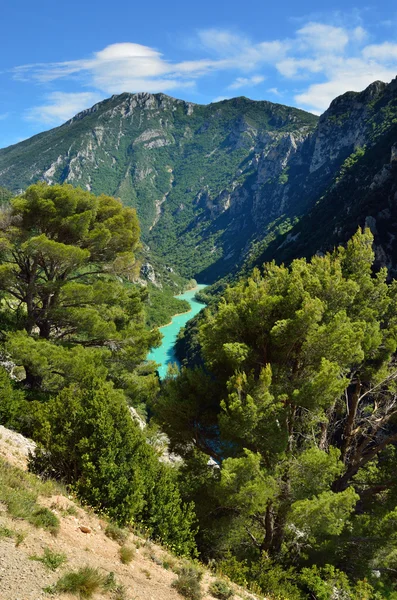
(165,353)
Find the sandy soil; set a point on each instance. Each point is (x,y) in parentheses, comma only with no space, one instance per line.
(23,579)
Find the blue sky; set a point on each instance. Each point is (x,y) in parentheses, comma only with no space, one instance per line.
(58,58)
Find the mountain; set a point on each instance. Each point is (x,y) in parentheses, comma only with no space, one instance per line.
(188,169)
(362,191)
(234,181)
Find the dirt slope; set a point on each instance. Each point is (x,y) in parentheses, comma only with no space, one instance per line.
(21,578)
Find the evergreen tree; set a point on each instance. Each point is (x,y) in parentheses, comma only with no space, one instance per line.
(300,366)
(65,260)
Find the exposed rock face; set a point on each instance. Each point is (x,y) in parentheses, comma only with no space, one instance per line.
(352,179)
(148,273)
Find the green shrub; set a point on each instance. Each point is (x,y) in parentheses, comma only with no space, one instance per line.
(52,560)
(220,589)
(188,583)
(5,532)
(117,589)
(43,517)
(19,492)
(116,533)
(127,553)
(83,583)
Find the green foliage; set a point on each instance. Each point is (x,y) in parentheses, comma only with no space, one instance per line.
(52,560)
(82,583)
(220,589)
(90,441)
(188,582)
(116,533)
(45,518)
(62,254)
(296,402)
(163,305)
(350,162)
(5,196)
(325,582)
(19,492)
(5,532)
(76,335)
(118,590)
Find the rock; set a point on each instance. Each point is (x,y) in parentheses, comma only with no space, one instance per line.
(84,529)
(148,273)
(138,419)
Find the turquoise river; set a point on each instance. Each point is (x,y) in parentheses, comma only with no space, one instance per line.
(165,354)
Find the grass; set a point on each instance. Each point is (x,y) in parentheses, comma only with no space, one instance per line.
(52,560)
(5,532)
(117,589)
(71,511)
(12,533)
(220,589)
(116,533)
(83,583)
(146,573)
(19,491)
(188,583)
(126,553)
(170,564)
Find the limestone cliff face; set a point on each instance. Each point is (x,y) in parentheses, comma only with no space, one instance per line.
(351,179)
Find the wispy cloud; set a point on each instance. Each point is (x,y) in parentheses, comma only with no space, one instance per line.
(246,82)
(317,63)
(4,116)
(61,106)
(275,91)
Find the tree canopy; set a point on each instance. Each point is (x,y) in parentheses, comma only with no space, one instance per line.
(74,339)
(66,257)
(298,403)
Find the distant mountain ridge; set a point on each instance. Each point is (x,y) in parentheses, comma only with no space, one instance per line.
(178,163)
(220,184)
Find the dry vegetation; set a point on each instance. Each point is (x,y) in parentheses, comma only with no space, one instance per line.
(82,558)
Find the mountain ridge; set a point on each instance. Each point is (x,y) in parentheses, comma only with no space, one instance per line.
(212,184)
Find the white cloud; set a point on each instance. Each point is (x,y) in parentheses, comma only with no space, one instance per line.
(322,38)
(350,75)
(61,106)
(359,34)
(246,82)
(129,67)
(303,67)
(322,59)
(220,98)
(4,116)
(275,91)
(386,52)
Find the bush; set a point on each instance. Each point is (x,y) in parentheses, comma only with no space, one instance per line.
(127,553)
(52,560)
(116,533)
(188,583)
(84,583)
(19,492)
(43,517)
(110,585)
(220,589)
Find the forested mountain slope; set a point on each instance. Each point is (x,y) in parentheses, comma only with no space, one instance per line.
(189,170)
(215,185)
